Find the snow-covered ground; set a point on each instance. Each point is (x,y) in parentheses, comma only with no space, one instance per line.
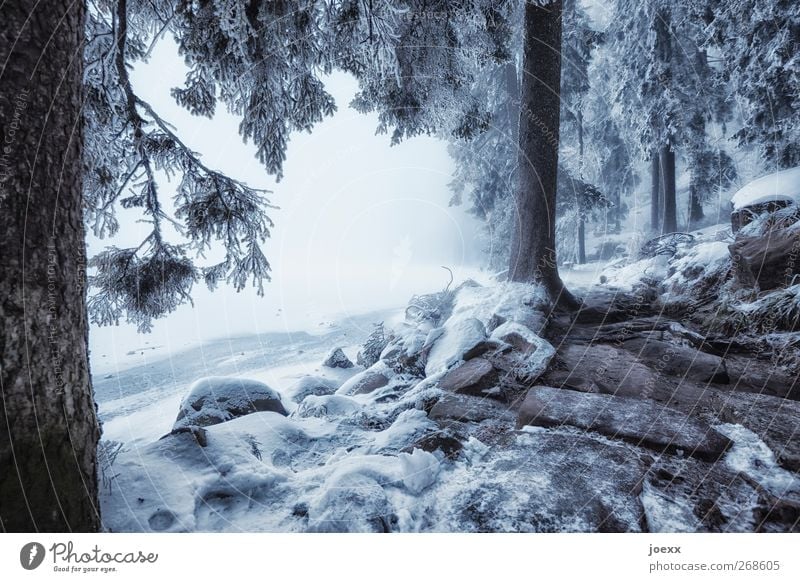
(339,457)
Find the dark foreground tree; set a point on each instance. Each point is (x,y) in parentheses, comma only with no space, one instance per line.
(48,430)
(533,247)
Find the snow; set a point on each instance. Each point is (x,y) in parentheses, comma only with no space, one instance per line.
(751,456)
(627,276)
(473,309)
(328,406)
(458,337)
(538,360)
(708,258)
(778,186)
(511,301)
(337,463)
(665,515)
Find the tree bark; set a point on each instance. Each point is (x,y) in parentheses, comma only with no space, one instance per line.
(48,429)
(581,219)
(696,213)
(655,193)
(533,248)
(669,219)
(581,240)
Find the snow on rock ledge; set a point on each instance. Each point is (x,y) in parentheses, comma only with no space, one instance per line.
(779,186)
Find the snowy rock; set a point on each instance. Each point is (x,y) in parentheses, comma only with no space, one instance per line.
(683,494)
(367,381)
(407,427)
(457,338)
(779,186)
(356,496)
(573,482)
(336,358)
(531,354)
(772,419)
(218,399)
(471,377)
(308,385)
(328,406)
(450,446)
(351,502)
(641,422)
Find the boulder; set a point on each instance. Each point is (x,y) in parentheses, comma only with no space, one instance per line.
(530,354)
(367,381)
(472,377)
(336,358)
(563,379)
(678,360)
(767,260)
(640,422)
(465,409)
(615,371)
(216,399)
(308,385)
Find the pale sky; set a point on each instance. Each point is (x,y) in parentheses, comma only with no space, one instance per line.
(361,224)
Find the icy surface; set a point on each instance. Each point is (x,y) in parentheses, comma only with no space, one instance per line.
(778,186)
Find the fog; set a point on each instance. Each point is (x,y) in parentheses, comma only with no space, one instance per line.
(361,225)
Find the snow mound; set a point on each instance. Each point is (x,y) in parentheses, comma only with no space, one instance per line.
(704,261)
(327,406)
(778,186)
(626,277)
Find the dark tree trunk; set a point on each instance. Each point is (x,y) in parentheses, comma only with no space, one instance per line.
(581,240)
(695,206)
(655,193)
(581,219)
(48,429)
(669,220)
(533,248)
(512,105)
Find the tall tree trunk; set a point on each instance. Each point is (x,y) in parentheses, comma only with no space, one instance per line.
(696,213)
(669,219)
(581,219)
(512,105)
(655,193)
(533,248)
(48,430)
(581,240)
